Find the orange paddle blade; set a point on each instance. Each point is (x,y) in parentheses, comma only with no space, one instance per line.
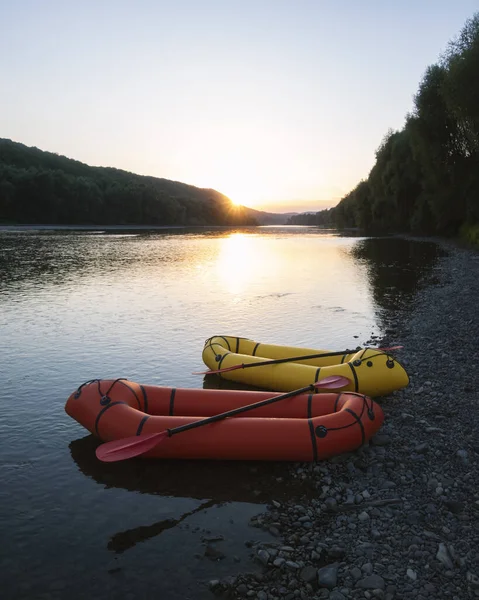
(129,447)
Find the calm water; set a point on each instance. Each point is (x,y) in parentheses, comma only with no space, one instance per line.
(79,305)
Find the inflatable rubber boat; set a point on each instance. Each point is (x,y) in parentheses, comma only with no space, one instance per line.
(304,427)
(371,371)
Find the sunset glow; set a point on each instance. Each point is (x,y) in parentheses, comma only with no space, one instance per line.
(260,101)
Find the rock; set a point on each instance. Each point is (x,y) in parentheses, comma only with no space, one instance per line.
(443,557)
(331,503)
(355,573)
(411,574)
(472,580)
(263,556)
(242,589)
(328,576)
(371,582)
(336,596)
(367,568)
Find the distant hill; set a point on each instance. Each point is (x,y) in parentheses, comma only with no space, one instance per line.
(38,187)
(267,218)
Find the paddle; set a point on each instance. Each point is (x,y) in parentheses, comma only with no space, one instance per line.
(277,361)
(139,444)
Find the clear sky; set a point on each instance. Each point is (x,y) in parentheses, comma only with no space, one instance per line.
(279,104)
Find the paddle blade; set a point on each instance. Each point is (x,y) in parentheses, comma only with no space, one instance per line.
(129,447)
(333,382)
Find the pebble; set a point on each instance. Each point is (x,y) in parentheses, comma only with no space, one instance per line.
(411,574)
(328,576)
(355,573)
(330,503)
(443,556)
(263,556)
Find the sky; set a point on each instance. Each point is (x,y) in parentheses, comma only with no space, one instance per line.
(278,104)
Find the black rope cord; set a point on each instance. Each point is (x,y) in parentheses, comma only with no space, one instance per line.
(370,408)
(105,397)
(360,360)
(79,389)
(321,431)
(98,382)
(209,343)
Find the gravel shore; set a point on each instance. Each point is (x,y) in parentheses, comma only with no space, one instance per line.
(399,518)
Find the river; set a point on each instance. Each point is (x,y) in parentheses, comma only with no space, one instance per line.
(78,305)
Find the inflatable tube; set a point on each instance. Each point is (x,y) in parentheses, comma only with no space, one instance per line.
(372,372)
(307,427)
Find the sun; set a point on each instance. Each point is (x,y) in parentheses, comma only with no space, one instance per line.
(243,198)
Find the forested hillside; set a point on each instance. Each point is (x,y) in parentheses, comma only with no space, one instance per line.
(426,176)
(43,187)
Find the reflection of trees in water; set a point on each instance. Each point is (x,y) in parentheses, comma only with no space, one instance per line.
(124,540)
(55,257)
(397,268)
(50,257)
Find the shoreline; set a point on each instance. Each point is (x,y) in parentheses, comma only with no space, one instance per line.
(398,518)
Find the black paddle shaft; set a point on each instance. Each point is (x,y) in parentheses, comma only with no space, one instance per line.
(241,409)
(278,361)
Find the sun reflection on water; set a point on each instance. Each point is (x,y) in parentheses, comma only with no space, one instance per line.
(243,261)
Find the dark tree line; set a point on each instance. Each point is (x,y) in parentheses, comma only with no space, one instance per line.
(321,218)
(43,187)
(426,176)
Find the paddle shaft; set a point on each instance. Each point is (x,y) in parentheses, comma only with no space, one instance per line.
(274,361)
(277,361)
(241,409)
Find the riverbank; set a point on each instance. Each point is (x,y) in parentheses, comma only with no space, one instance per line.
(398,519)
